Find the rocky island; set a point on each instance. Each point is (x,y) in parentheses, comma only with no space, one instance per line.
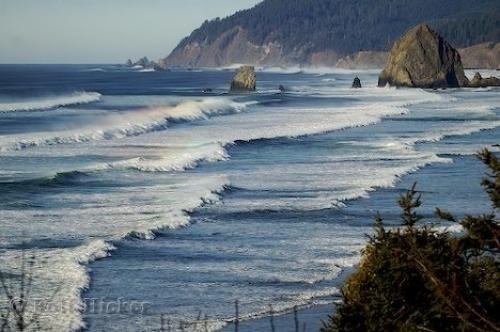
(423,59)
(145,63)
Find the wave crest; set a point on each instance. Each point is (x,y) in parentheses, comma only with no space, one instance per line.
(51,102)
(116,126)
(176,161)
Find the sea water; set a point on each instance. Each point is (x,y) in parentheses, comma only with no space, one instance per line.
(138,187)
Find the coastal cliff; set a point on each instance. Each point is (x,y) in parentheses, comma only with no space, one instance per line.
(484,55)
(331,32)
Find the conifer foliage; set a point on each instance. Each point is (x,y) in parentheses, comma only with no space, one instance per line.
(345,27)
(414,278)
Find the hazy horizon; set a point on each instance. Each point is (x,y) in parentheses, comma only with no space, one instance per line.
(100,31)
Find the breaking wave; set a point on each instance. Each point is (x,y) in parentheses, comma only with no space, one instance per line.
(178,161)
(51,102)
(116,126)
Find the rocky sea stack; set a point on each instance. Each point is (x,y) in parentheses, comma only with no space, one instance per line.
(145,63)
(423,59)
(244,79)
(479,82)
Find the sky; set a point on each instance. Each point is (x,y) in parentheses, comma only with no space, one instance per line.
(101,31)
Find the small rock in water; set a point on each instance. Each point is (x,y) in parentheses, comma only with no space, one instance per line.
(477,77)
(244,79)
(356,84)
(479,82)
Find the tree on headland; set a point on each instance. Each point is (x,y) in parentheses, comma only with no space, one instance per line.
(415,278)
(346,27)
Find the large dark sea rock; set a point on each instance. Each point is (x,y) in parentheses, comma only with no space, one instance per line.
(423,59)
(244,79)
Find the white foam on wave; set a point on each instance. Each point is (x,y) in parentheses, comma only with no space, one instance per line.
(93,70)
(211,144)
(464,129)
(343,175)
(59,277)
(339,174)
(264,69)
(228,67)
(176,160)
(389,95)
(484,73)
(99,216)
(317,71)
(281,70)
(485,89)
(286,304)
(131,211)
(116,126)
(334,183)
(406,160)
(331,269)
(50,102)
(334,70)
(303,121)
(61,274)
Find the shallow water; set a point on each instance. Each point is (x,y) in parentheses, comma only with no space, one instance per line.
(271,192)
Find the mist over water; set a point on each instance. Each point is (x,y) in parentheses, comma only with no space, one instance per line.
(190,200)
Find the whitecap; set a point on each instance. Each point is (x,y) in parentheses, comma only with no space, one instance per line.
(46,103)
(127,124)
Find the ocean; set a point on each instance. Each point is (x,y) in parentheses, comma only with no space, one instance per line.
(150,195)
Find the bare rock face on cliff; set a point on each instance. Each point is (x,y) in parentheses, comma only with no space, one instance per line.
(244,79)
(422,58)
(485,56)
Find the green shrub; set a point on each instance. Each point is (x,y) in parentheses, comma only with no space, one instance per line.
(417,279)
